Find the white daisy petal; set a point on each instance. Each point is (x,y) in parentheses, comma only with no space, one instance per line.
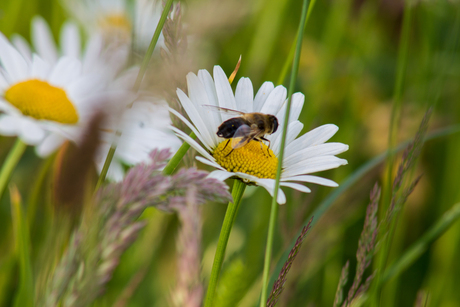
(314,165)
(13,62)
(210,163)
(326,149)
(274,101)
(31,133)
(66,70)
(70,40)
(43,41)
(296,107)
(9,125)
(49,145)
(316,136)
(3,83)
(40,69)
(185,121)
(91,55)
(197,94)
(296,186)
(22,46)
(220,175)
(262,95)
(269,185)
(312,179)
(208,84)
(293,131)
(244,95)
(224,91)
(195,117)
(192,143)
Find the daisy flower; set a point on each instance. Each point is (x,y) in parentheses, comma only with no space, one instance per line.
(117,20)
(42,103)
(143,127)
(303,155)
(95,57)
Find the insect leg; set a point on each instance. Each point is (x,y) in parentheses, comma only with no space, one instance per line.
(226,144)
(269,143)
(229,152)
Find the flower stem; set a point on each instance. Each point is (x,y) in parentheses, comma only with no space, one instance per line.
(229,220)
(10,163)
(175,160)
(274,205)
(137,84)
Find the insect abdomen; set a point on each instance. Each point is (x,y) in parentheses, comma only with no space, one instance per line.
(228,128)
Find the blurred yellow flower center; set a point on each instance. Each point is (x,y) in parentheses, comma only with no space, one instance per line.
(254,158)
(116,24)
(40,100)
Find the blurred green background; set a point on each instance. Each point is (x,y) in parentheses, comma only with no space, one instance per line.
(347,72)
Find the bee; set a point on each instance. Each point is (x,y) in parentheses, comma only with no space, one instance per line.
(245,127)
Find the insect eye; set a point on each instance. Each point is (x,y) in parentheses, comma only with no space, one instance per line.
(275,124)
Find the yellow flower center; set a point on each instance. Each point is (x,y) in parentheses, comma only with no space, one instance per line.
(254,158)
(116,25)
(40,100)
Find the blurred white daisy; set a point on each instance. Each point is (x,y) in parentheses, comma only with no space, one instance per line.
(118,20)
(95,57)
(44,103)
(304,155)
(145,126)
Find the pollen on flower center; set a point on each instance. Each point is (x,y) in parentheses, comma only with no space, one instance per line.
(254,158)
(40,100)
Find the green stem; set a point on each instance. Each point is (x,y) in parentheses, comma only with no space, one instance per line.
(137,84)
(290,57)
(175,160)
(274,206)
(229,220)
(10,163)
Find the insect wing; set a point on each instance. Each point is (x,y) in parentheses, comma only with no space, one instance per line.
(242,136)
(222,110)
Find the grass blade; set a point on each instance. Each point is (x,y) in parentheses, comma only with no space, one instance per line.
(24,296)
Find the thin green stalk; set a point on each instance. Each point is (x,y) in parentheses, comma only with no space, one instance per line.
(274,205)
(175,160)
(137,84)
(106,166)
(229,220)
(10,163)
(290,57)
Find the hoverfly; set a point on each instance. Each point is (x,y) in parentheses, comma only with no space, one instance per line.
(245,127)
